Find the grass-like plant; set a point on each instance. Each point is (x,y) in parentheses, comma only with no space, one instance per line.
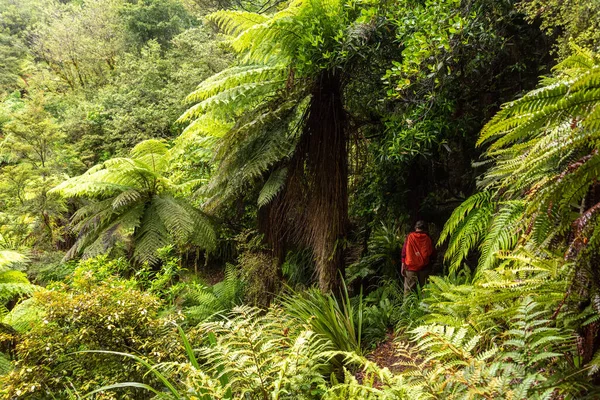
(337,318)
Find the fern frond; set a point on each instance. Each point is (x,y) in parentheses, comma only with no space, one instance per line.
(252,149)
(505,228)
(272,186)
(234,77)
(233,101)
(233,22)
(133,198)
(459,214)
(471,222)
(10,259)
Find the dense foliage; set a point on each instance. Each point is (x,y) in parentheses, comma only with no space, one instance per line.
(94,311)
(208,199)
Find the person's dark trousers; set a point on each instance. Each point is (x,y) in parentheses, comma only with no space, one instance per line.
(411,278)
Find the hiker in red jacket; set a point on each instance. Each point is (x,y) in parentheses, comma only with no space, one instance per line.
(416,254)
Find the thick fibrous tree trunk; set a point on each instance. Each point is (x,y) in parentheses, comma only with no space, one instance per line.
(325,145)
(312,210)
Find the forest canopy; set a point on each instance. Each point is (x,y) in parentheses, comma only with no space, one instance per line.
(225,199)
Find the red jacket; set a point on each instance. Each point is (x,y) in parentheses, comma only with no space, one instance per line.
(420,242)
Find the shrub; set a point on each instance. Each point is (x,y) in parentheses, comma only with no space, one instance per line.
(260,275)
(97,311)
(252,354)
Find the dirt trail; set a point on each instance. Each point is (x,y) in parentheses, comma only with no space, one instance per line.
(386,354)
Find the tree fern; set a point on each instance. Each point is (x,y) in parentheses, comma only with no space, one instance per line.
(259,145)
(13,283)
(11,259)
(283,100)
(133,199)
(543,149)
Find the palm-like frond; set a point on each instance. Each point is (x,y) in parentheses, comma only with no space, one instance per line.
(234,77)
(13,283)
(133,198)
(10,258)
(507,224)
(545,165)
(467,227)
(272,186)
(572,95)
(255,147)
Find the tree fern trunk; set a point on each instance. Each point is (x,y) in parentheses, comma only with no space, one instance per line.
(312,210)
(323,153)
(327,164)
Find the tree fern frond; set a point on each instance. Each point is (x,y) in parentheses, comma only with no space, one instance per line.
(233,22)
(466,228)
(252,149)
(272,186)
(233,101)
(126,198)
(459,214)
(174,217)
(234,77)
(153,153)
(10,259)
(103,237)
(149,147)
(504,231)
(151,236)
(5,364)
(206,125)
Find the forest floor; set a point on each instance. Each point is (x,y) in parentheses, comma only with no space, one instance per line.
(385,355)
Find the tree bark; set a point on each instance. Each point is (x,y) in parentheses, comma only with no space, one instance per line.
(312,210)
(326,145)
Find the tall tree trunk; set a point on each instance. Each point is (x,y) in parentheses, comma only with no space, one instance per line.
(312,210)
(325,144)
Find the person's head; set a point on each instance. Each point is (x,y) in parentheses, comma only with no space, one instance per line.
(421,226)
